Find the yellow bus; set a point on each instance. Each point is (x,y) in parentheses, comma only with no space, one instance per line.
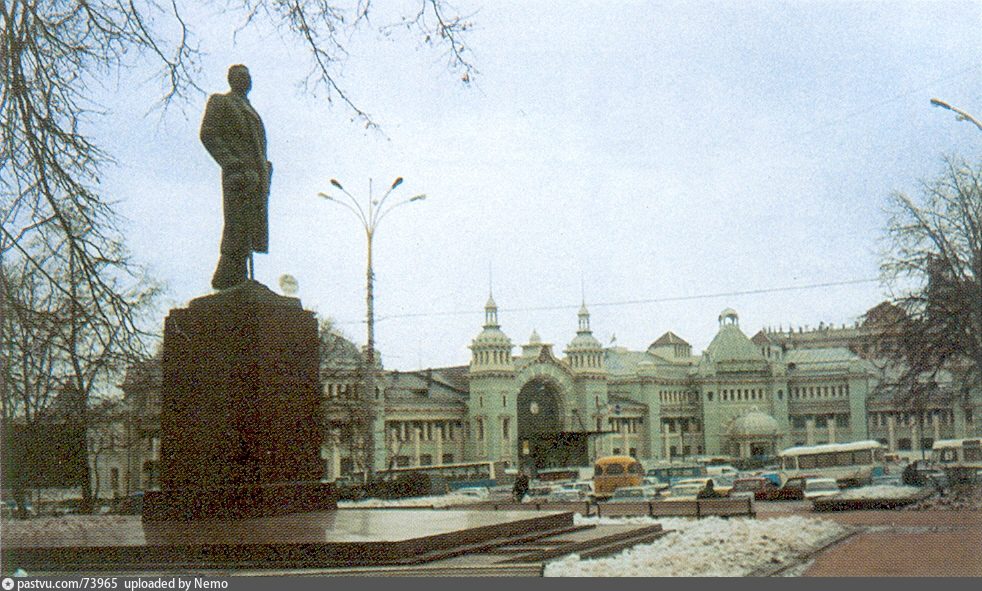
(613,472)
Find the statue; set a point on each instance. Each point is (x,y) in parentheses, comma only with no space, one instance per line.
(233,134)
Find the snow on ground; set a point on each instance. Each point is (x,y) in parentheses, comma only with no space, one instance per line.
(879,492)
(64,524)
(436,501)
(710,547)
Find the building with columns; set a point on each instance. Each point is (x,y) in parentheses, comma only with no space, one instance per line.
(533,405)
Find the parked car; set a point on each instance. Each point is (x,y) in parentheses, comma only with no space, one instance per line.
(585,487)
(924,473)
(478,492)
(538,493)
(820,487)
(563,494)
(761,489)
(629,494)
(721,469)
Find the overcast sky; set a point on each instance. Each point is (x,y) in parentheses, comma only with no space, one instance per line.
(647,157)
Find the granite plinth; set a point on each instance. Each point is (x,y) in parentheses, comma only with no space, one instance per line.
(235,502)
(348,537)
(240,407)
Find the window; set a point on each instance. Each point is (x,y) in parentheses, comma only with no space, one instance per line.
(673,451)
(447,458)
(633,452)
(903,444)
(927,443)
(480,429)
(842,420)
(780,394)
(614,469)
(807,462)
(504,428)
(425,460)
(821,421)
(798,422)
(843,458)
(862,457)
(617,452)
(709,396)
(826,460)
(401,461)
(968,416)
(504,401)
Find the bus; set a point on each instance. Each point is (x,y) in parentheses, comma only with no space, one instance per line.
(851,464)
(456,476)
(961,459)
(613,472)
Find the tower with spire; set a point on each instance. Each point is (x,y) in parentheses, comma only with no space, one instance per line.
(491,404)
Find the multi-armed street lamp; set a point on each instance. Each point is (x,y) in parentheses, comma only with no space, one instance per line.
(370,215)
(962,115)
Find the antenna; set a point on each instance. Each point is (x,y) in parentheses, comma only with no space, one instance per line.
(490,279)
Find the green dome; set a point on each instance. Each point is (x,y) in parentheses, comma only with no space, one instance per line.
(755,424)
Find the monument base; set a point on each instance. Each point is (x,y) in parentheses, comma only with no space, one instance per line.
(240,415)
(239,502)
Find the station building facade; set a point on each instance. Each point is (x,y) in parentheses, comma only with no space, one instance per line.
(535,406)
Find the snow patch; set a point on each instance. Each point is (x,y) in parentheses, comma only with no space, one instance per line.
(449,500)
(710,547)
(879,492)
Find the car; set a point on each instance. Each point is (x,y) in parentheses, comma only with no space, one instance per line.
(761,489)
(820,487)
(721,484)
(720,469)
(630,494)
(538,493)
(564,495)
(478,492)
(584,486)
(887,480)
(924,473)
(684,491)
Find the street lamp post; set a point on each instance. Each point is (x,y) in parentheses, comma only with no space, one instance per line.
(962,115)
(374,211)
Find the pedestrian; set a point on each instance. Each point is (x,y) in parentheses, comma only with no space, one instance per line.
(521,487)
(708,492)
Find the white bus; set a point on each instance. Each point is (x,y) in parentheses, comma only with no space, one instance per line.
(851,464)
(960,458)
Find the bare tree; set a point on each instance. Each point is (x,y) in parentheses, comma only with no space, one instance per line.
(935,262)
(54,218)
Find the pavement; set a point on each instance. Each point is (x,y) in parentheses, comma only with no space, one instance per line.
(895,543)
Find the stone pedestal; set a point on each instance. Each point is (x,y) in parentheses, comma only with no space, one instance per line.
(240,409)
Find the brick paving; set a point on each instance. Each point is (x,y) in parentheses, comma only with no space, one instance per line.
(931,543)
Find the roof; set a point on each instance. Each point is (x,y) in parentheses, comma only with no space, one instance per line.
(826,356)
(669,338)
(730,344)
(827,447)
(754,424)
(621,361)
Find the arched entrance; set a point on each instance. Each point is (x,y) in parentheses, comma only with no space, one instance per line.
(540,437)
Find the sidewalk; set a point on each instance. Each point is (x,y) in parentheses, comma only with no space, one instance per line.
(933,543)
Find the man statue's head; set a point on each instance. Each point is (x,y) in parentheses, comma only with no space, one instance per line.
(239,80)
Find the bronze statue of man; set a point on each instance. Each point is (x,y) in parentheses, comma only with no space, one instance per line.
(233,134)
